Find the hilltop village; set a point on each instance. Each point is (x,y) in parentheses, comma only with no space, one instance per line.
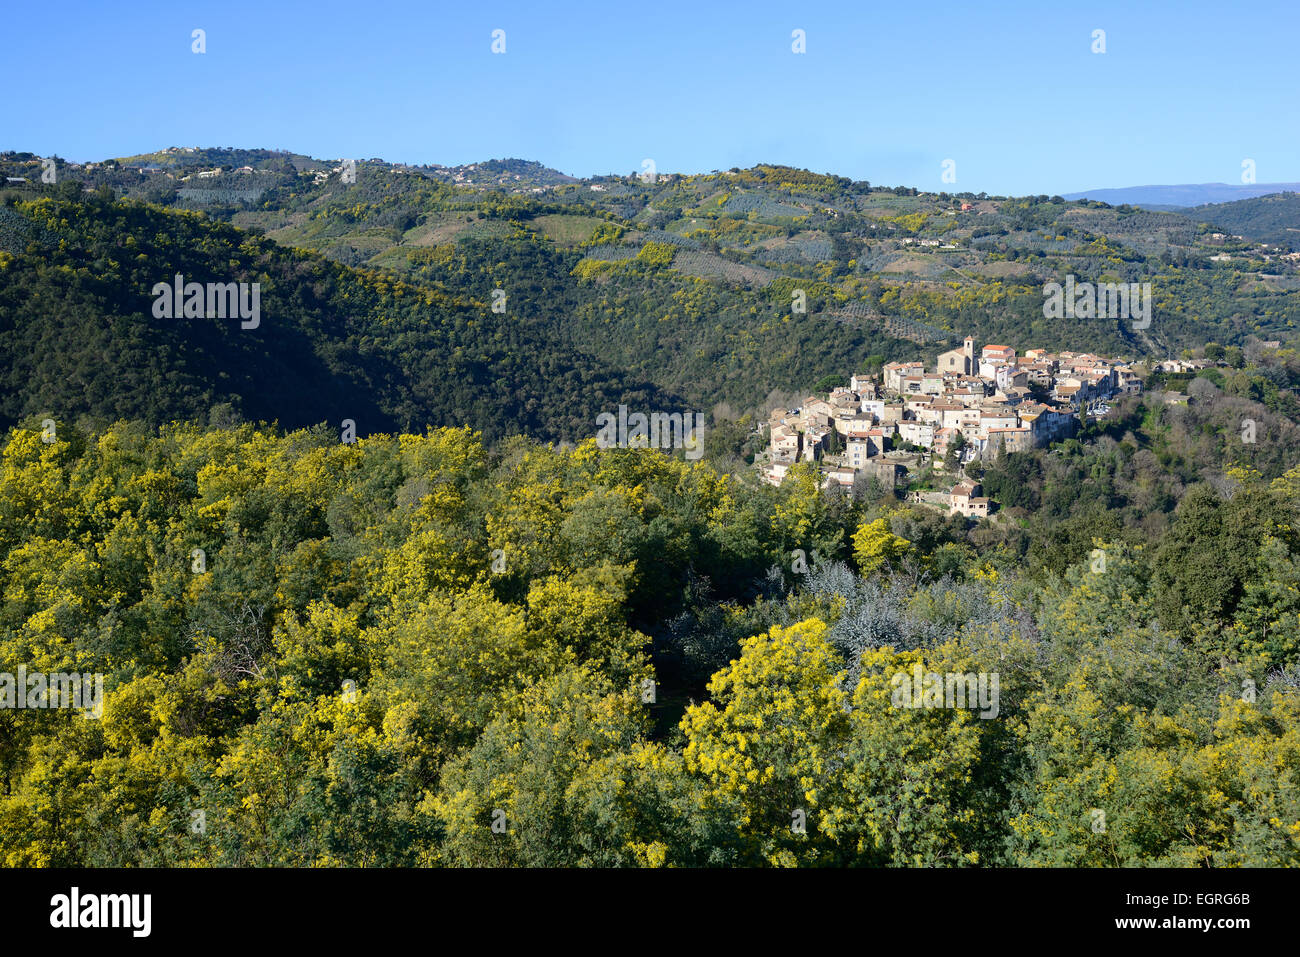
(976,406)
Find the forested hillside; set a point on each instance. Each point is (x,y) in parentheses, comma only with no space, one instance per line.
(78,335)
(1270,219)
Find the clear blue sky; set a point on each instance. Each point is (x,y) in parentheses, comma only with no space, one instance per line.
(885,92)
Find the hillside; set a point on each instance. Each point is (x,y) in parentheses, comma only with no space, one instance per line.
(78,334)
(1266,219)
(692,283)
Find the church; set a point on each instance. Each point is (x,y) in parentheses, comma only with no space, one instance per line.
(959,361)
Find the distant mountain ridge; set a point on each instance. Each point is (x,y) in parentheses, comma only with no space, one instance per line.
(1182,196)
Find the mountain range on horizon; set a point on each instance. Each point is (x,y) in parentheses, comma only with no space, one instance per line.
(1182,196)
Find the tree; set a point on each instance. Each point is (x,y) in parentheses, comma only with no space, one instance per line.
(952,458)
(905,795)
(767,742)
(507,800)
(876,547)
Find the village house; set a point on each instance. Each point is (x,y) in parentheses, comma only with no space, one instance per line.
(858,448)
(814,443)
(989,365)
(943,439)
(894,371)
(856,422)
(947,415)
(863,385)
(917,433)
(1068,394)
(991,420)
(844,402)
(965,499)
(999,442)
(843,477)
(966,394)
(1010,377)
(818,411)
(892,412)
(911,384)
(784,441)
(888,472)
(777,470)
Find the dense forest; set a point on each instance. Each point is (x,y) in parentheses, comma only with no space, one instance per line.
(415,649)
